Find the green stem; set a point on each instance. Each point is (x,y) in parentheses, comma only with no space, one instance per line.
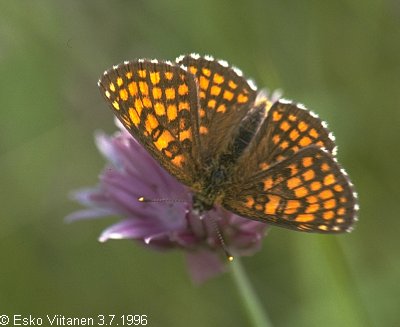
(254,308)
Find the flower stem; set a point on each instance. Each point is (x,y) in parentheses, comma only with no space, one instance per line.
(254,308)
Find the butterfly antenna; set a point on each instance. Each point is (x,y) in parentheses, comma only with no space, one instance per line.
(221,240)
(143,199)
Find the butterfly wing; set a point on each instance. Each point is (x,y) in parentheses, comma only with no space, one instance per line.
(157,102)
(288,175)
(225,98)
(287,128)
(306,192)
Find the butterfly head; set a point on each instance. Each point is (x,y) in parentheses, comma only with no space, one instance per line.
(201,203)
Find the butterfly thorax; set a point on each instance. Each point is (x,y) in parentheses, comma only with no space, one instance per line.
(218,174)
(205,200)
(214,179)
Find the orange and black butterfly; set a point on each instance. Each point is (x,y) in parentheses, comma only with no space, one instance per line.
(209,127)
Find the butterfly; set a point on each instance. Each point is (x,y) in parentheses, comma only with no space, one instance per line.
(208,126)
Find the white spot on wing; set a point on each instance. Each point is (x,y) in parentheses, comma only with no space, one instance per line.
(324,124)
(154,61)
(209,58)
(180,58)
(331,136)
(126,62)
(223,63)
(252,85)
(195,56)
(301,106)
(237,71)
(285,101)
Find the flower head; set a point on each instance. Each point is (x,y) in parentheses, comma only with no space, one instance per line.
(132,173)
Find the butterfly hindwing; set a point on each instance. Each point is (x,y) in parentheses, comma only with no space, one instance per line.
(287,128)
(157,103)
(306,192)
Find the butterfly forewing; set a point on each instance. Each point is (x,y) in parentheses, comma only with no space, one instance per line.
(157,103)
(307,192)
(225,98)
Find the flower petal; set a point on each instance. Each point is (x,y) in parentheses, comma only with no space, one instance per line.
(105,145)
(132,229)
(88,214)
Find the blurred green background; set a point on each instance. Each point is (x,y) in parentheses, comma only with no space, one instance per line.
(340,58)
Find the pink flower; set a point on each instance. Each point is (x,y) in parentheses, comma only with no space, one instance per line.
(132,173)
